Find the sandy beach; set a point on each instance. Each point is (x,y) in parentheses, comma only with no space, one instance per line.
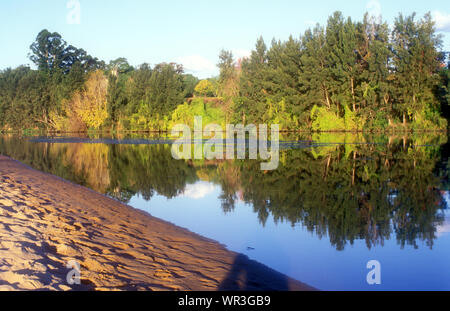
(45,222)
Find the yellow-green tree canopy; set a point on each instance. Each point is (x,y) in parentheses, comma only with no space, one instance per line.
(205,88)
(89,105)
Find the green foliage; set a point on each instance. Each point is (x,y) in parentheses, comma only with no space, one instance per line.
(325,120)
(143,120)
(205,88)
(428,119)
(148,96)
(185,114)
(443,91)
(276,114)
(415,46)
(29,98)
(51,53)
(189,83)
(356,74)
(352,122)
(379,123)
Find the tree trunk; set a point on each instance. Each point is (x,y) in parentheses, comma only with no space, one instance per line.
(353,95)
(354,168)
(327,168)
(326,96)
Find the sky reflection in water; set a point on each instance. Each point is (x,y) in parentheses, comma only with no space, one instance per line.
(301,254)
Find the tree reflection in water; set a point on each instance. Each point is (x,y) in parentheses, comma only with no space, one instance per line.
(340,187)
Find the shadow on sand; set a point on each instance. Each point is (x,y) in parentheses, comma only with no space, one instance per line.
(249,275)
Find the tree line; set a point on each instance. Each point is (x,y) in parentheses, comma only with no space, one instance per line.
(346,75)
(349,75)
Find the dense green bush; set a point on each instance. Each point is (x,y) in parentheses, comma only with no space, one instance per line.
(325,120)
(185,114)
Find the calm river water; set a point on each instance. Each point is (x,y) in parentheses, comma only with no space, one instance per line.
(334,203)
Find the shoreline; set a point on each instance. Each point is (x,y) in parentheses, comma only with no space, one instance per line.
(46,221)
(392,131)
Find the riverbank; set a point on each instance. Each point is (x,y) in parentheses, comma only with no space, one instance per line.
(45,222)
(388,131)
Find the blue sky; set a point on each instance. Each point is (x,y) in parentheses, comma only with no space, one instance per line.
(187,32)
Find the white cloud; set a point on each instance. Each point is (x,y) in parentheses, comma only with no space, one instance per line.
(374,8)
(203,67)
(444,228)
(198,190)
(442,20)
(198,65)
(240,53)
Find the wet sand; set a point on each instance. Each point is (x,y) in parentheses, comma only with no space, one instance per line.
(45,222)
